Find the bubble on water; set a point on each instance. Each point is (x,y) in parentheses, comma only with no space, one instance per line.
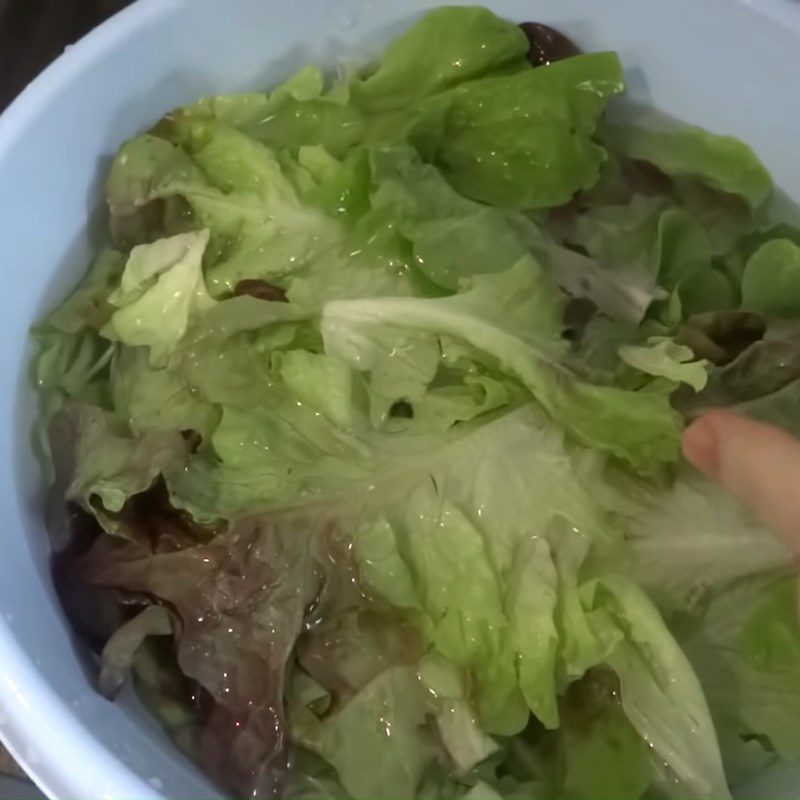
(156,783)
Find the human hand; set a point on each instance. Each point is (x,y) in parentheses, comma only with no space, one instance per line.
(756,463)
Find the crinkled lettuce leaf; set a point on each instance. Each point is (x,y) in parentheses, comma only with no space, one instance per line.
(478,573)
(384,723)
(659,691)
(514,318)
(603,754)
(97,463)
(722,162)
(161,289)
(525,140)
(662,357)
(771,280)
(744,645)
(449,46)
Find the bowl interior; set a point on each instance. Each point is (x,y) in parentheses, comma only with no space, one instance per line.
(719,63)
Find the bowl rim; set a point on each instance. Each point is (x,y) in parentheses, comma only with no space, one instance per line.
(61,772)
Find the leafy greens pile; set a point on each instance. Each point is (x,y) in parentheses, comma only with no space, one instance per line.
(365,434)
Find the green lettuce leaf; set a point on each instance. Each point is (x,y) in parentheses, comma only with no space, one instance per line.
(146,177)
(603,755)
(663,358)
(649,236)
(312,778)
(514,318)
(236,188)
(226,355)
(322,383)
(267,456)
(682,151)
(161,290)
(745,647)
(477,556)
(660,693)
(299,112)
(448,46)
(339,188)
(524,140)
(619,236)
(96,462)
(383,724)
(451,237)
(771,280)
(88,306)
(72,366)
(683,253)
(466,744)
(148,398)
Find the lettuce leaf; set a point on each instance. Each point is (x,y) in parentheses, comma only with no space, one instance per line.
(660,693)
(744,647)
(722,162)
(524,140)
(96,463)
(513,318)
(161,289)
(605,758)
(664,358)
(771,279)
(448,46)
(383,723)
(480,557)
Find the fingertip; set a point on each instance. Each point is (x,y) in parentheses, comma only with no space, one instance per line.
(755,463)
(700,446)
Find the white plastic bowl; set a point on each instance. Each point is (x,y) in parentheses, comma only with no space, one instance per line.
(725,64)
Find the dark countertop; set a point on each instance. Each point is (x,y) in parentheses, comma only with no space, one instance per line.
(34,32)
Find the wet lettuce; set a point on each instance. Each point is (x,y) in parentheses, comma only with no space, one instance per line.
(365,435)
